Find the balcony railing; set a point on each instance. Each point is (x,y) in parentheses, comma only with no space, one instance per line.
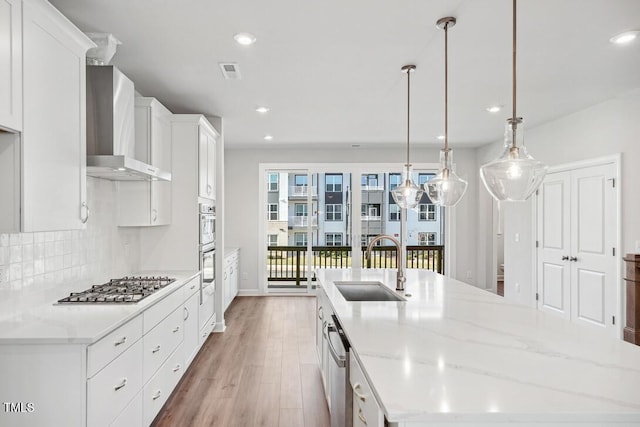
(370,218)
(302,221)
(299,191)
(289,263)
(373,188)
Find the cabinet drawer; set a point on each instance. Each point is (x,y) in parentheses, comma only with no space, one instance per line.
(132,414)
(161,385)
(207,329)
(108,348)
(191,287)
(366,411)
(159,311)
(161,341)
(109,391)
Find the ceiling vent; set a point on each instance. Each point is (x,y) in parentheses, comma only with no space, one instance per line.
(230,70)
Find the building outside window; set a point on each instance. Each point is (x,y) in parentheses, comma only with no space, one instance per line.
(370,211)
(273,182)
(395,179)
(366,238)
(333,183)
(427,212)
(300,239)
(423,178)
(272,214)
(301,209)
(272,239)
(426,238)
(369,180)
(394,212)
(300,181)
(333,212)
(333,239)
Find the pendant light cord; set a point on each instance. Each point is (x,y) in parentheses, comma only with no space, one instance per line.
(408,115)
(514,122)
(446,88)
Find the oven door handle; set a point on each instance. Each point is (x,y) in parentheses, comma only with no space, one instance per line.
(341,361)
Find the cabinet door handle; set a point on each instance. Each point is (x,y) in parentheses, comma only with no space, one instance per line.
(176,329)
(356,387)
(120,341)
(192,287)
(231,272)
(209,188)
(225,275)
(361,416)
(157,349)
(320,313)
(186,313)
(155,214)
(177,368)
(565,257)
(573,259)
(156,394)
(83,207)
(122,384)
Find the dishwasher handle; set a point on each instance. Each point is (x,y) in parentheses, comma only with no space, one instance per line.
(341,361)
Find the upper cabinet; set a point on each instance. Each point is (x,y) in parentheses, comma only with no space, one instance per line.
(44,188)
(147,203)
(11,65)
(207,162)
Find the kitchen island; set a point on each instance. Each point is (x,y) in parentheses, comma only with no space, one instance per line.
(455,354)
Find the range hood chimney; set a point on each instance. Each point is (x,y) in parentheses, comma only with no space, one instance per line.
(110,119)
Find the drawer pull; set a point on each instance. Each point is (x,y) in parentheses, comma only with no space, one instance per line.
(177,368)
(361,416)
(320,313)
(156,394)
(120,341)
(192,287)
(186,313)
(157,349)
(176,329)
(356,387)
(122,384)
(205,335)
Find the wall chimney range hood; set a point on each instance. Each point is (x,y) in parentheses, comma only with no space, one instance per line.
(110,128)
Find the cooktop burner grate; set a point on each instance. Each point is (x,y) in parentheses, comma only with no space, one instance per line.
(119,291)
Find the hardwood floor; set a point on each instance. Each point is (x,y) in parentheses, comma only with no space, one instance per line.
(262,371)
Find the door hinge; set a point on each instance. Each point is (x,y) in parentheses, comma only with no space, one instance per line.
(537,192)
(613,319)
(537,243)
(537,296)
(614,251)
(613,182)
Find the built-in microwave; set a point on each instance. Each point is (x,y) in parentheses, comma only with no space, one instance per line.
(207,224)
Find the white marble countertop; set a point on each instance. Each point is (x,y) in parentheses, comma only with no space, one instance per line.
(453,352)
(31,315)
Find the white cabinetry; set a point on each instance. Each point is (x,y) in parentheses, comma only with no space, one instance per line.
(191,341)
(207,163)
(323,319)
(53,136)
(146,203)
(11,64)
(231,277)
(366,410)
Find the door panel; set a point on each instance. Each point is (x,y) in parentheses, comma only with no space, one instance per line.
(590,289)
(554,287)
(590,214)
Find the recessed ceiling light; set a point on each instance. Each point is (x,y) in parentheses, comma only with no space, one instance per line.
(268,137)
(245,39)
(494,108)
(440,137)
(263,109)
(624,38)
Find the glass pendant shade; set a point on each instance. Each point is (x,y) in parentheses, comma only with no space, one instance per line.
(446,188)
(407,195)
(515,175)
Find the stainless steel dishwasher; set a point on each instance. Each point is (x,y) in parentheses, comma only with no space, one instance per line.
(341,395)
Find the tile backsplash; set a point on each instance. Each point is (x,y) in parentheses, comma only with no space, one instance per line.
(101,251)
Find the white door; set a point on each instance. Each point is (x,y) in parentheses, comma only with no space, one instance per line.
(593,231)
(577,225)
(554,244)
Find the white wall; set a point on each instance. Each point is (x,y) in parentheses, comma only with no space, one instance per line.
(603,129)
(98,253)
(243,210)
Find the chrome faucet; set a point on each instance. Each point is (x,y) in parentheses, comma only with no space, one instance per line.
(400,279)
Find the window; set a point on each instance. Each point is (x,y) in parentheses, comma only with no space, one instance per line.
(333,239)
(423,178)
(300,209)
(272,239)
(300,239)
(370,210)
(333,183)
(333,213)
(365,239)
(425,239)
(427,212)
(369,180)
(394,212)
(272,214)
(300,180)
(273,182)
(395,179)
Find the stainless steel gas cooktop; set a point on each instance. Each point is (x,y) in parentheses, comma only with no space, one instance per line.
(119,291)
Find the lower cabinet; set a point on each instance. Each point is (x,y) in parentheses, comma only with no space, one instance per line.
(231,277)
(323,319)
(366,410)
(158,389)
(191,342)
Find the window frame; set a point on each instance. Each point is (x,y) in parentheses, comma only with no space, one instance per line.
(269,211)
(304,239)
(333,240)
(333,212)
(333,184)
(269,182)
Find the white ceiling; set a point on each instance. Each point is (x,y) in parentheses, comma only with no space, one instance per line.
(330,70)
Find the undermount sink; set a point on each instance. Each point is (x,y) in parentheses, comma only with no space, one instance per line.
(367,291)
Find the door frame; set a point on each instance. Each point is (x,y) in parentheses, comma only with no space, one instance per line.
(355,169)
(616,160)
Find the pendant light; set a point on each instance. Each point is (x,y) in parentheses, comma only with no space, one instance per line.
(407,195)
(446,188)
(515,175)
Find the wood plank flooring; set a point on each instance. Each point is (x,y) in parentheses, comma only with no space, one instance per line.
(262,371)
